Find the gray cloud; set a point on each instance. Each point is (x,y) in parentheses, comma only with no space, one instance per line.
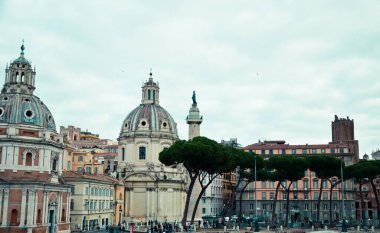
(271,70)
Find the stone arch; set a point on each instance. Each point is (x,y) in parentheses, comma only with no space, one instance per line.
(139,176)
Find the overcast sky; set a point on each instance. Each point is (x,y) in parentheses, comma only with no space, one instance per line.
(261,69)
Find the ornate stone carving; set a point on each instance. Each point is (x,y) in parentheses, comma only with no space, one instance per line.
(129,166)
(150,166)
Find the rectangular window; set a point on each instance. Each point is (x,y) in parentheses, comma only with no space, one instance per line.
(325,206)
(306,196)
(306,206)
(304,151)
(271,152)
(271,195)
(315,184)
(324,184)
(314,151)
(88,169)
(142,153)
(335,206)
(284,196)
(86,192)
(295,185)
(341,150)
(294,151)
(323,151)
(271,184)
(263,152)
(264,196)
(315,195)
(263,184)
(123,154)
(315,206)
(283,151)
(271,206)
(203,210)
(264,206)
(251,206)
(295,195)
(332,151)
(325,196)
(305,184)
(335,196)
(71,204)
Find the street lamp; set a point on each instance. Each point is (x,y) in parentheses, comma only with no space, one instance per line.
(344,226)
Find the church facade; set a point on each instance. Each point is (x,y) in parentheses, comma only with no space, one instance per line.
(153,192)
(33,197)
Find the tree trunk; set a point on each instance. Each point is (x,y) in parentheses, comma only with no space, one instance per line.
(319,200)
(235,190)
(287,203)
(362,203)
(241,197)
(377,201)
(275,202)
(188,195)
(331,192)
(199,198)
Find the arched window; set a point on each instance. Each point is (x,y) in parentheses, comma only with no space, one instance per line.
(14,216)
(28,159)
(148,94)
(17,76)
(80,169)
(54,165)
(39,216)
(154,95)
(22,77)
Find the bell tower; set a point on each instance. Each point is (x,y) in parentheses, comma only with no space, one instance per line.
(19,76)
(194,119)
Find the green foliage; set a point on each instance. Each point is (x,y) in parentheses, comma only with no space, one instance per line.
(286,168)
(324,166)
(364,169)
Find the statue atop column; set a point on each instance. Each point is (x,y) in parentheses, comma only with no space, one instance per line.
(194,98)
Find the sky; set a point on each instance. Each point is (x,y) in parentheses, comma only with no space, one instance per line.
(262,70)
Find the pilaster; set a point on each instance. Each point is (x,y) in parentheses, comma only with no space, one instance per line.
(23,206)
(5,212)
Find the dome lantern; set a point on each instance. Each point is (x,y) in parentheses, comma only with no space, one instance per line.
(19,76)
(150,91)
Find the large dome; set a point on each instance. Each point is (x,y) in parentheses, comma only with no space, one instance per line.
(149,119)
(25,109)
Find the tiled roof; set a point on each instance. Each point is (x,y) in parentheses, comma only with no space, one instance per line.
(262,146)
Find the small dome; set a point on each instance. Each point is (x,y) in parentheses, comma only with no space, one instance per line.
(149,117)
(25,109)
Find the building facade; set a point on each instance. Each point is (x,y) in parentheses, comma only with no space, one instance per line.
(304,193)
(152,190)
(33,197)
(92,200)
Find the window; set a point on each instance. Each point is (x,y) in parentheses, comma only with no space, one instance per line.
(324,184)
(68,165)
(14,216)
(271,195)
(88,169)
(96,170)
(295,195)
(315,206)
(325,206)
(306,206)
(264,196)
(123,154)
(284,196)
(314,151)
(86,192)
(295,185)
(335,206)
(251,206)
(332,151)
(294,151)
(335,196)
(315,184)
(80,158)
(271,152)
(283,151)
(39,216)
(263,184)
(305,184)
(264,206)
(28,159)
(306,196)
(203,210)
(263,152)
(271,184)
(341,150)
(315,195)
(325,197)
(323,151)
(142,153)
(80,169)
(304,151)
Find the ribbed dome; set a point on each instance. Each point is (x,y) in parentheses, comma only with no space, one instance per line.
(25,109)
(149,117)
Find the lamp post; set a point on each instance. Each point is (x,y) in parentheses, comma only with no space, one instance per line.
(344,227)
(256,220)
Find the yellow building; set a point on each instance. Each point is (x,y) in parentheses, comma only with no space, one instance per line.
(92,200)
(85,161)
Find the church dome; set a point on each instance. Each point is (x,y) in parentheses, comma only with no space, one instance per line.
(149,119)
(25,109)
(18,105)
